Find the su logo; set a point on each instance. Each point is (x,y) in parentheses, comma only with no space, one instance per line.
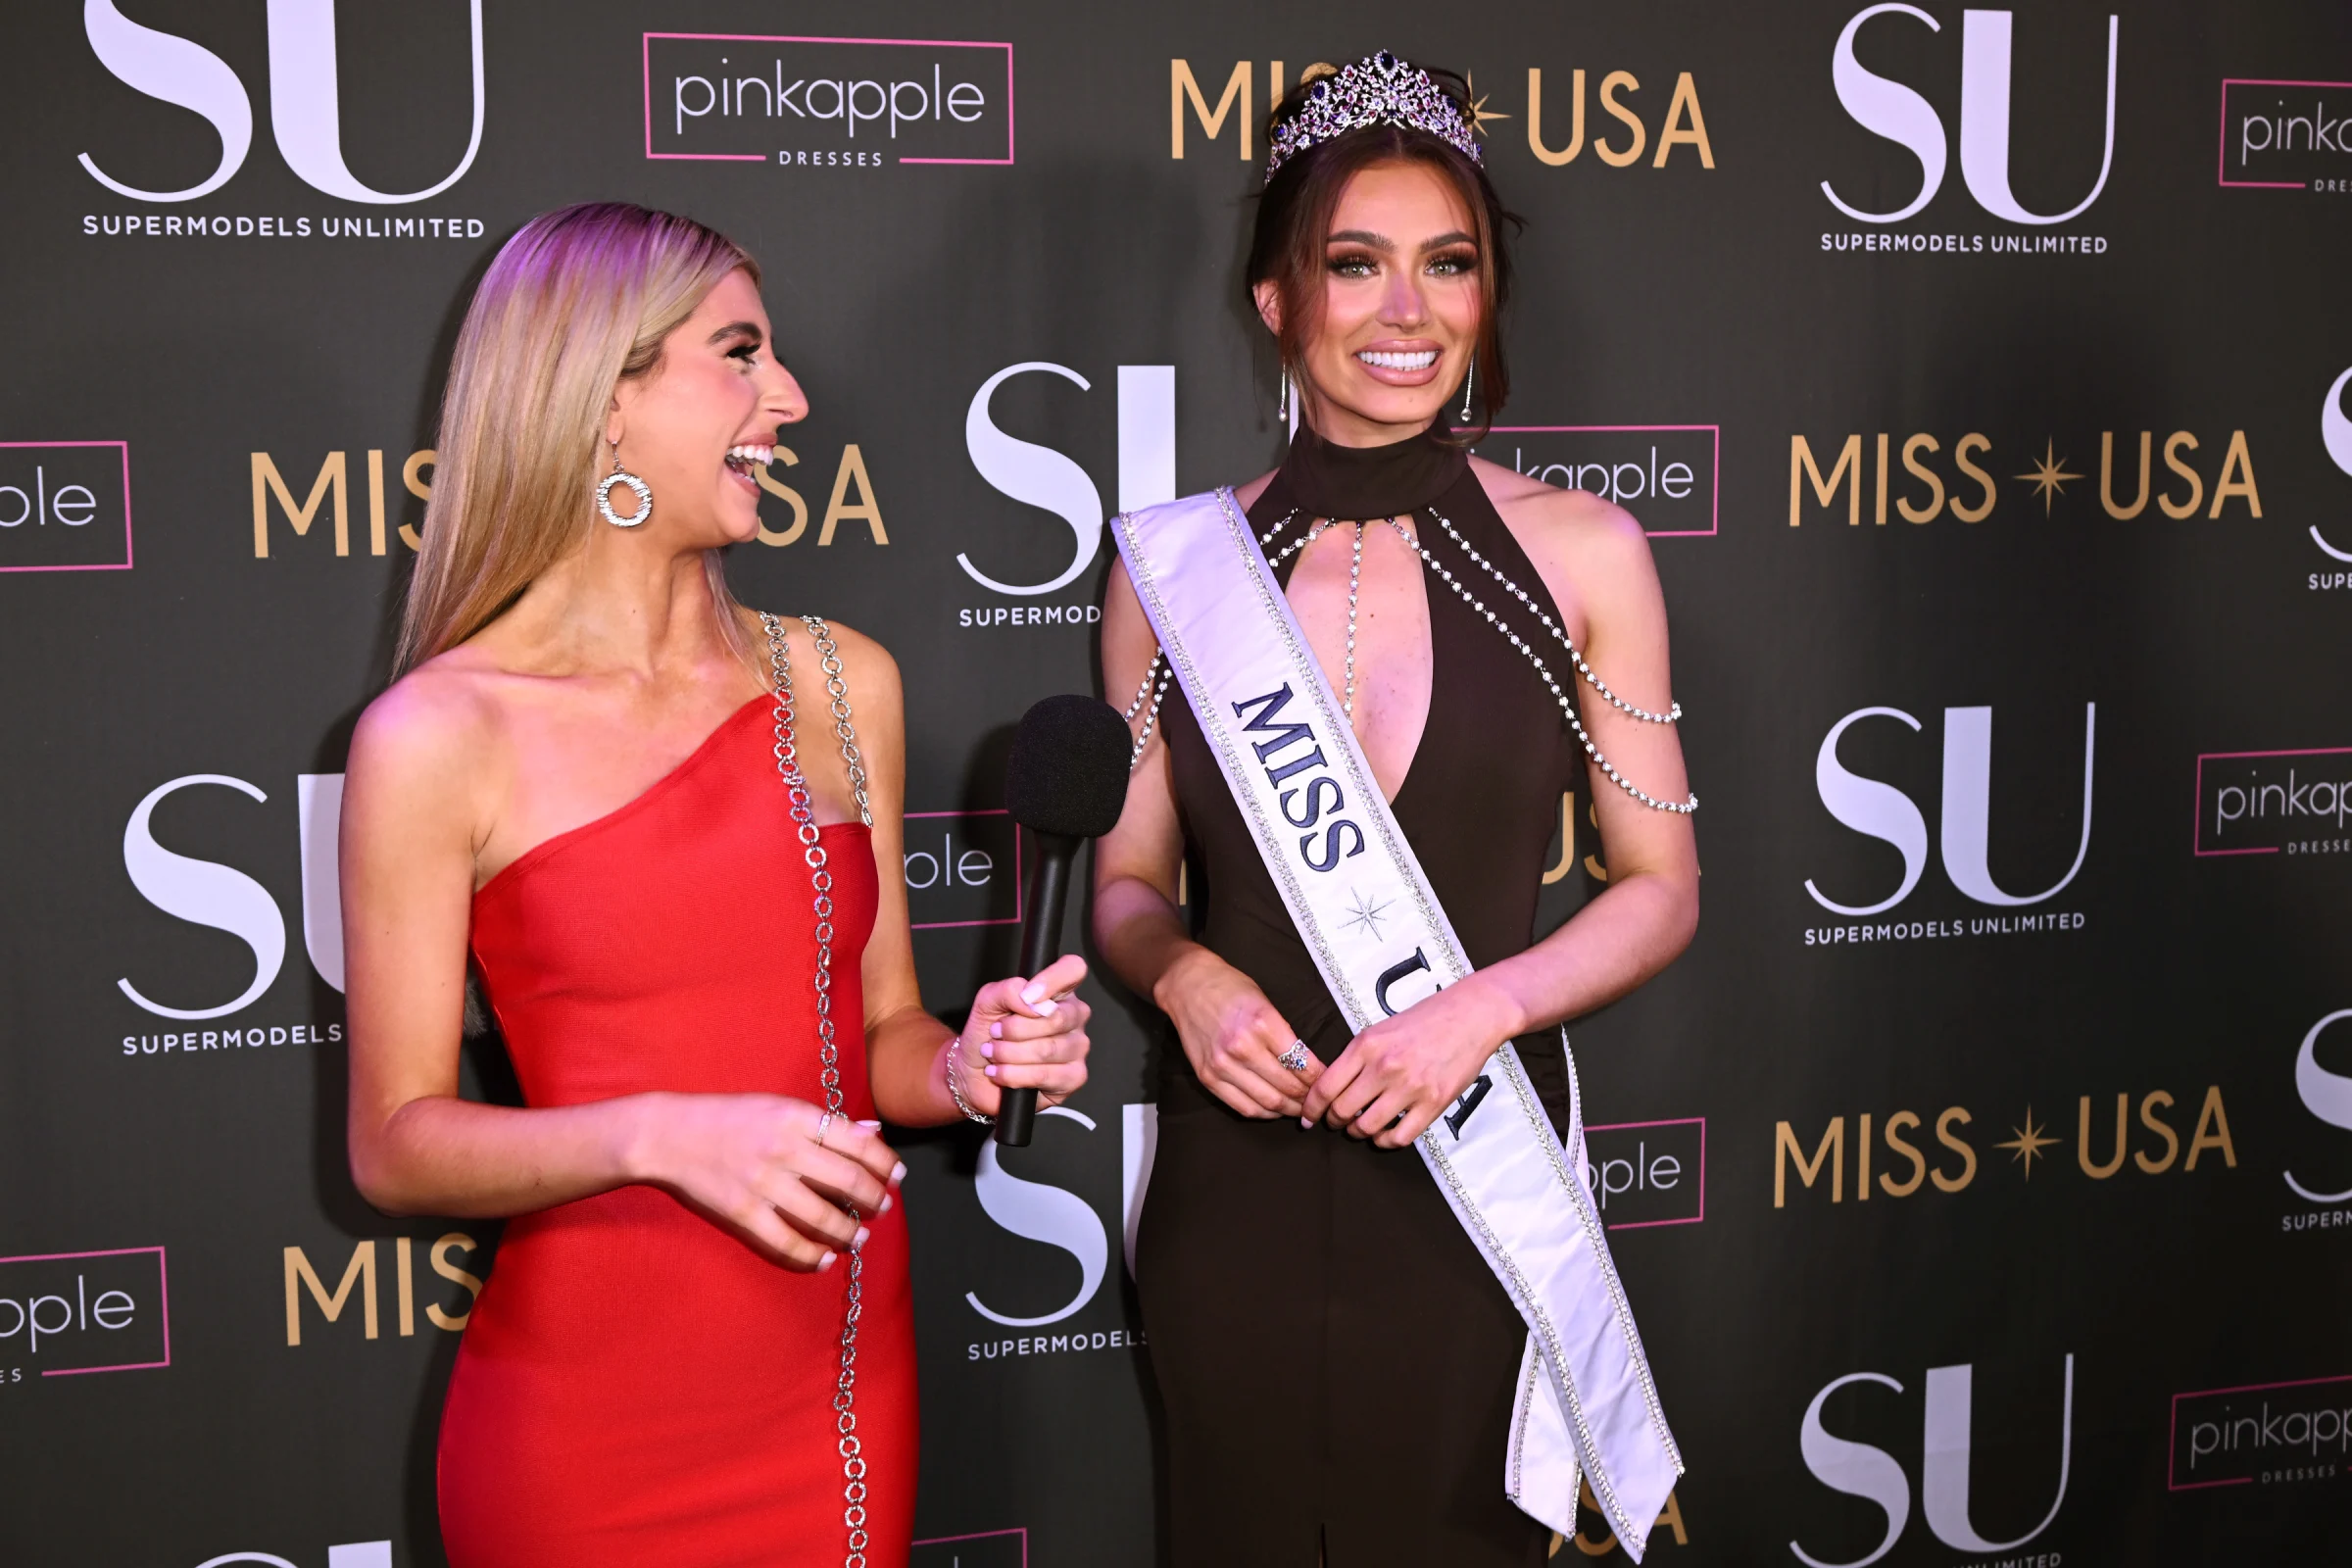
(2335,432)
(1884,812)
(1052,481)
(1861,1471)
(304,104)
(1888,108)
(2326,1095)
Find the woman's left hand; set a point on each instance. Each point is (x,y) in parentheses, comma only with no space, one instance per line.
(1401,1074)
(1027,1034)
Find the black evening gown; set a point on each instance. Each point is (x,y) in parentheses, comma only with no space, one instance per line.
(1335,1359)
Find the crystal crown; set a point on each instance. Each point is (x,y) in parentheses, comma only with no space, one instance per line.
(1379,90)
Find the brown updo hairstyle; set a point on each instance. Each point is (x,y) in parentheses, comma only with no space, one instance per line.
(1295,211)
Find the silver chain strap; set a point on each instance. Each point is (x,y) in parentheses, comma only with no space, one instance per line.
(1157,668)
(812,851)
(1526,649)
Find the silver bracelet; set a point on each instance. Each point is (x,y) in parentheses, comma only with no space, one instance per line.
(955,1086)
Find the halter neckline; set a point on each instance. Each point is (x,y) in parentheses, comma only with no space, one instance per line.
(1356,483)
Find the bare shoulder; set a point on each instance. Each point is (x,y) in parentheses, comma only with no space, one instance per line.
(865,661)
(1573,529)
(866,665)
(429,723)
(425,760)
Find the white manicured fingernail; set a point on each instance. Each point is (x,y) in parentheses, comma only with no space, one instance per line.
(887,1200)
(1045,1006)
(988,1051)
(1036,990)
(989,1070)
(898,1173)
(996,1031)
(826,1262)
(871,1126)
(1307,1122)
(858,1241)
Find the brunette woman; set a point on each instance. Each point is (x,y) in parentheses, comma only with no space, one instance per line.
(665,831)
(1341,1369)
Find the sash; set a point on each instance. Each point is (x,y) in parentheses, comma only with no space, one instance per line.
(1585,1398)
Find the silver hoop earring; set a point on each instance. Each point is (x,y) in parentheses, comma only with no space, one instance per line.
(1468,381)
(621,475)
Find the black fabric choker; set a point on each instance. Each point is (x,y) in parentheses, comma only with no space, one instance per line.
(1356,483)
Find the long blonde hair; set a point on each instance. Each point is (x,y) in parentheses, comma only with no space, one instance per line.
(578,301)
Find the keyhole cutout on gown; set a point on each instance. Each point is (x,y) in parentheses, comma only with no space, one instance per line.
(1395,656)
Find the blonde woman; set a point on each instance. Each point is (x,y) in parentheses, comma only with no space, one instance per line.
(689,916)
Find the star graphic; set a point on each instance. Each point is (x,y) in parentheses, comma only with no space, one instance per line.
(1366,913)
(2027,1143)
(2049,475)
(1480,114)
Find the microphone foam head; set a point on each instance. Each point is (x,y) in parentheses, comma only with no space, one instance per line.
(1067,774)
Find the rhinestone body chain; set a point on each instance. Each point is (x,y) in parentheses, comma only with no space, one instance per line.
(1158,668)
(813,851)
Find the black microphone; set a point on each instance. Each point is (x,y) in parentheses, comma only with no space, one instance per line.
(1066,780)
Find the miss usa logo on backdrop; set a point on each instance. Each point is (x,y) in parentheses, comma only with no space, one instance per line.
(1946,1439)
(1888,108)
(305,117)
(1880,811)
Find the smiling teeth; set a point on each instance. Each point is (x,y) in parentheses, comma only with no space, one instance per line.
(1419,361)
(751,457)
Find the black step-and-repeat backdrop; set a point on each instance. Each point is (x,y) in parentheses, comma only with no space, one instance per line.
(1983,1175)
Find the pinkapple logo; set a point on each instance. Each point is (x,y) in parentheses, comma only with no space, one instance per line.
(2275,803)
(63,1314)
(2261,1433)
(1648,1173)
(832,103)
(65,505)
(963,868)
(1664,474)
(2287,136)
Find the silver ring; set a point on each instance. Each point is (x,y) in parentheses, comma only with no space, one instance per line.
(1295,1059)
(823,1123)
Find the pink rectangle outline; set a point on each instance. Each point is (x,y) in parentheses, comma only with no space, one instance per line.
(2173,1429)
(1714,501)
(2221,159)
(2197,821)
(1670,1121)
(647,50)
(162,1277)
(980,1534)
(125,563)
(1020,886)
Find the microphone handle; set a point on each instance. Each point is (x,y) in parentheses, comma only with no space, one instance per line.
(1041,940)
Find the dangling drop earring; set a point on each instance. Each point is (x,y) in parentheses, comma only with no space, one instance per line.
(1282,405)
(1468,381)
(621,475)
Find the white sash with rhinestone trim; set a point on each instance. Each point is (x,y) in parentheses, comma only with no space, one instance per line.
(1585,1398)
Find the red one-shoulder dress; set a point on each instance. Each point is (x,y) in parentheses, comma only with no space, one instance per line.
(637,1385)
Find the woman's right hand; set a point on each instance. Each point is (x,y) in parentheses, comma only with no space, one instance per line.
(753,1163)
(1233,1036)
